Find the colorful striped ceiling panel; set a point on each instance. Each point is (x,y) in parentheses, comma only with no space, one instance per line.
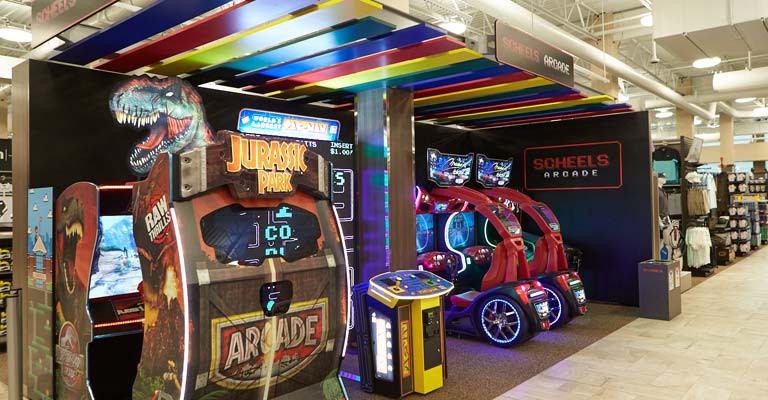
(385,72)
(230,21)
(548,113)
(474,84)
(291,28)
(401,38)
(380,60)
(156,18)
(505,106)
(553,90)
(324,41)
(493,69)
(523,110)
(609,110)
(481,91)
(400,81)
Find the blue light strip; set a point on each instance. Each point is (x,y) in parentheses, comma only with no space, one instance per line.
(461,255)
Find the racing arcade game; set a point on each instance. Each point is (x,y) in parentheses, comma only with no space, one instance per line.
(564,287)
(245,277)
(499,303)
(99,307)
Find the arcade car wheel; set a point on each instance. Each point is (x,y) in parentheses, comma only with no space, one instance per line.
(559,313)
(502,321)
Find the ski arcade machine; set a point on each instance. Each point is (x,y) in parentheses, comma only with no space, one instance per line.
(494,296)
(99,308)
(245,277)
(564,287)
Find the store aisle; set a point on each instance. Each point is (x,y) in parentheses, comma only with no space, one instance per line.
(717,349)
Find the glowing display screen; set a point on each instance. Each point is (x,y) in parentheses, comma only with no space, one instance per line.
(460,230)
(116,269)
(381,333)
(548,216)
(425,233)
(248,236)
(492,172)
(449,169)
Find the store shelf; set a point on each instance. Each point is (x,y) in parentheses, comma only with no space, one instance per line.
(6,235)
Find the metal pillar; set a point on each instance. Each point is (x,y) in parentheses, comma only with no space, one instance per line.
(386,223)
(13,320)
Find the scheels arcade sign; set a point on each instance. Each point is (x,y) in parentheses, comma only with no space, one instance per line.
(574,166)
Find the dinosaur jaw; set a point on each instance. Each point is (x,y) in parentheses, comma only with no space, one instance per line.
(168,134)
(73,233)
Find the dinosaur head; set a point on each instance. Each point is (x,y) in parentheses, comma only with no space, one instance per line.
(70,223)
(169,108)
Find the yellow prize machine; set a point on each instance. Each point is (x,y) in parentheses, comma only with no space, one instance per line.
(400,332)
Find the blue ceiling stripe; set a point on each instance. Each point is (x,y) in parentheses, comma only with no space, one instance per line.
(496,70)
(517,95)
(325,41)
(148,22)
(400,38)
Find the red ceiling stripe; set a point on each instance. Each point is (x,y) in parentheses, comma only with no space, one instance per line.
(383,59)
(543,100)
(458,87)
(227,22)
(549,118)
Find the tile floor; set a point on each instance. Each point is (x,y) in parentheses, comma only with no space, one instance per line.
(717,349)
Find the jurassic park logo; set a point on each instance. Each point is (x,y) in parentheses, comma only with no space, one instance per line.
(242,345)
(275,162)
(71,362)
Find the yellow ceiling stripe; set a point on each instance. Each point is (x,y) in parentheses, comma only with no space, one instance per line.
(481,91)
(266,36)
(526,109)
(379,73)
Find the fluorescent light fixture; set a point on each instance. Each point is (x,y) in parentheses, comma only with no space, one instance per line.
(15,34)
(647,20)
(760,112)
(708,62)
(664,114)
(456,27)
(745,100)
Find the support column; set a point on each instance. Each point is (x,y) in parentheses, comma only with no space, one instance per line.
(684,123)
(727,149)
(386,218)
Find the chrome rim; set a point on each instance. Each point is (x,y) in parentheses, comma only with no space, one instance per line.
(555,307)
(501,321)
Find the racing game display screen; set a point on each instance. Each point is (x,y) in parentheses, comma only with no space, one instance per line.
(116,269)
(248,236)
(449,169)
(425,233)
(460,230)
(492,172)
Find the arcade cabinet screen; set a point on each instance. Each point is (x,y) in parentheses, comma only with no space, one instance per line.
(117,269)
(460,230)
(425,233)
(248,236)
(449,169)
(492,172)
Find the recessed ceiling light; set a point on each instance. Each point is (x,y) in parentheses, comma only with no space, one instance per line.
(745,100)
(647,20)
(664,114)
(15,34)
(708,62)
(760,112)
(456,27)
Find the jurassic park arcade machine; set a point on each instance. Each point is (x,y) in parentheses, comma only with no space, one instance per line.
(245,277)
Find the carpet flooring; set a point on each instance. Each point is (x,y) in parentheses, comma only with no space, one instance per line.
(477,370)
